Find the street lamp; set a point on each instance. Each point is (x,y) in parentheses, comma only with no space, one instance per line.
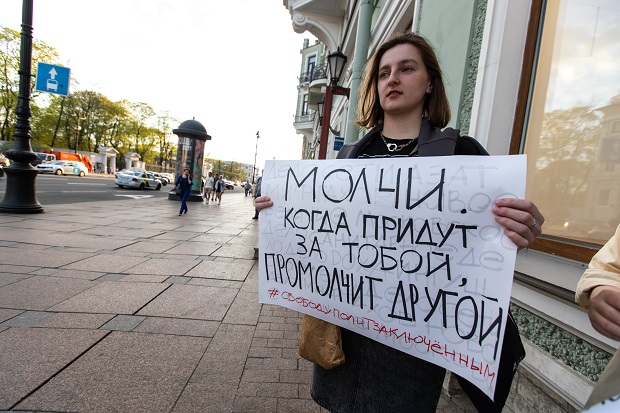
(20,196)
(255,152)
(335,65)
(319,110)
(77,128)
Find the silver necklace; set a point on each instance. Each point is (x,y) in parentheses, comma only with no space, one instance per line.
(392,147)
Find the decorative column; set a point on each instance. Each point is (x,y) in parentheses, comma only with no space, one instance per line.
(190,155)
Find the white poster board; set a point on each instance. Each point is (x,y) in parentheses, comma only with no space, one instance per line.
(404,251)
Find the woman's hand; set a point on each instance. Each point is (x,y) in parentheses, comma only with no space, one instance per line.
(263,202)
(520,218)
(604,311)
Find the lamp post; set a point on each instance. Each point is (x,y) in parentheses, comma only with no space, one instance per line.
(77,128)
(335,65)
(255,152)
(20,196)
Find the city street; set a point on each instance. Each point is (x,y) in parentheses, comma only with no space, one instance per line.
(124,306)
(52,189)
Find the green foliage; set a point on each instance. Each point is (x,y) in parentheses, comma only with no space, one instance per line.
(233,171)
(10,44)
(84,119)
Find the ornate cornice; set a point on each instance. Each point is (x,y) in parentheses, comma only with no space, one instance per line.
(322,18)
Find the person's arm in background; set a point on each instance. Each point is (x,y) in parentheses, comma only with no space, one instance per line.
(598,289)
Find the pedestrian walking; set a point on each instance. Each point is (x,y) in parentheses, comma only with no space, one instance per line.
(404,104)
(209,185)
(183,186)
(213,188)
(220,187)
(257,192)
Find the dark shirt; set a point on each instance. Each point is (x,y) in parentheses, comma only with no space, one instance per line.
(183,183)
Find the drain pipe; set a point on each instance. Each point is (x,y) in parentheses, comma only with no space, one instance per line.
(360,57)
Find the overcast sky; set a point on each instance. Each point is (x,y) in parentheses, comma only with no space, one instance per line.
(231,65)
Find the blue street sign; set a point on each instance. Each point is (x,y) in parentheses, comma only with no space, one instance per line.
(52,79)
(338,142)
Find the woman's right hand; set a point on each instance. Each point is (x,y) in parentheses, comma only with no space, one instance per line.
(263,202)
(604,311)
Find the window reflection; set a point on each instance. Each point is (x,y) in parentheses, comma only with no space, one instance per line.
(573,131)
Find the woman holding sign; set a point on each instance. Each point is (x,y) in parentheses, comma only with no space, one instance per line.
(404,104)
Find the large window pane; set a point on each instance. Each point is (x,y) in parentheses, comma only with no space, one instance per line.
(573,131)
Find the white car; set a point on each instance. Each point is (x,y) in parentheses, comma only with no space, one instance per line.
(137,179)
(63,168)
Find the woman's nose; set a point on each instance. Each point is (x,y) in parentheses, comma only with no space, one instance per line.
(393,79)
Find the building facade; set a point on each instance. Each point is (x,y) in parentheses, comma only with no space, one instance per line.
(534,77)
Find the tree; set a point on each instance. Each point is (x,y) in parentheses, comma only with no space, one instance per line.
(10,44)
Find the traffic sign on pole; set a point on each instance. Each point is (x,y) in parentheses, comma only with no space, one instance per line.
(52,79)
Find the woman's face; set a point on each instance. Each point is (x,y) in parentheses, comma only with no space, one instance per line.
(402,80)
(186,173)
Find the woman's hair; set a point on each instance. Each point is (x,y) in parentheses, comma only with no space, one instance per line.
(436,107)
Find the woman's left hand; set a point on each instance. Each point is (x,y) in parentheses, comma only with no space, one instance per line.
(521,219)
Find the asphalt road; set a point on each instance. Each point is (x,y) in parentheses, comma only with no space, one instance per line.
(52,189)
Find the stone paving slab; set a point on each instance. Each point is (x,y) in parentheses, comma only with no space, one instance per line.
(176,236)
(29,257)
(206,398)
(193,248)
(112,298)
(29,357)
(163,266)
(79,274)
(125,372)
(106,263)
(235,251)
(45,225)
(219,364)
(17,269)
(213,239)
(6,314)
(197,227)
(190,301)
(236,270)
(225,231)
(244,310)
(6,279)
(149,246)
(174,326)
(144,278)
(41,293)
(75,320)
(104,232)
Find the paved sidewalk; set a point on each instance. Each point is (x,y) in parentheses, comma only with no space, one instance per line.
(123,306)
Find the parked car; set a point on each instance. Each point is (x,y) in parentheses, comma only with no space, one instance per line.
(161,177)
(137,179)
(169,176)
(63,168)
(229,185)
(4,161)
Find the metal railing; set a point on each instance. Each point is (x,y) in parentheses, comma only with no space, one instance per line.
(319,72)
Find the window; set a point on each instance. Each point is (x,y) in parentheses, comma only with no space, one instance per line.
(311,64)
(304,105)
(569,127)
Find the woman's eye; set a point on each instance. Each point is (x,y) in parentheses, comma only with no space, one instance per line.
(383,75)
(407,69)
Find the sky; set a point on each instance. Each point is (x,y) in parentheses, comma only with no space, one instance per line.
(231,65)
